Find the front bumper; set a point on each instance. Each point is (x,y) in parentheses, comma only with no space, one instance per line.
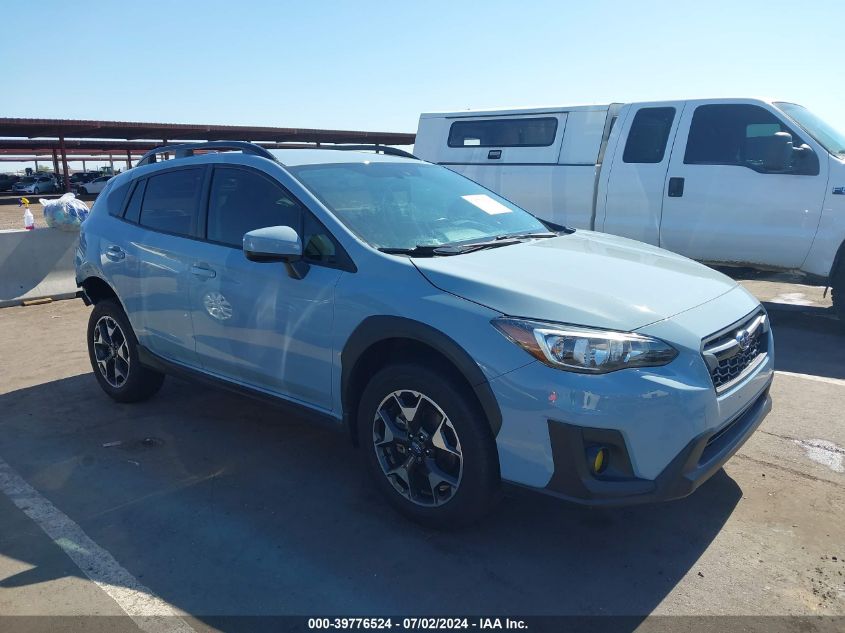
(667,429)
(699,460)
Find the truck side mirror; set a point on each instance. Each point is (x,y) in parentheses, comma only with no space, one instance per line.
(806,162)
(777,151)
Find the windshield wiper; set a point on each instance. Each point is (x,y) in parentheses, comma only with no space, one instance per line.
(527,236)
(457,248)
(432,250)
(420,250)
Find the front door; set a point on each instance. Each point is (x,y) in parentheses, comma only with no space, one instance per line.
(724,202)
(253,322)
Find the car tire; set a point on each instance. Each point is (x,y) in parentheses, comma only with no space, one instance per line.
(82,191)
(113,352)
(837,293)
(445,472)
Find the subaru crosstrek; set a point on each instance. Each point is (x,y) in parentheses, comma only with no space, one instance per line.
(461,341)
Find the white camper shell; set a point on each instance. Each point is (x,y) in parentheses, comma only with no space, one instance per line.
(750,182)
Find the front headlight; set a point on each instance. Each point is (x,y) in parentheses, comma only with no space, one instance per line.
(585,350)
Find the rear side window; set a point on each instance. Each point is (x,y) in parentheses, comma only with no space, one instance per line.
(242,200)
(171,201)
(133,208)
(534,132)
(740,134)
(116,201)
(649,135)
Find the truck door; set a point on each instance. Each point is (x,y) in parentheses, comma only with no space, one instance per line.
(630,194)
(736,192)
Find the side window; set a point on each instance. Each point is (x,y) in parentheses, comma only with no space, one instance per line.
(242,200)
(133,208)
(745,136)
(117,199)
(535,132)
(649,135)
(171,200)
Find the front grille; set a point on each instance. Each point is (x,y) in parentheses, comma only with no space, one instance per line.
(733,352)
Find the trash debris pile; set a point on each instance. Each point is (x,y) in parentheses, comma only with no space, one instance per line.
(66,213)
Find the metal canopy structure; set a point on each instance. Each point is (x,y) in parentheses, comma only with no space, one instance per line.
(60,139)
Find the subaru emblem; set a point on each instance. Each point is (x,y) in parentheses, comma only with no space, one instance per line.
(743,337)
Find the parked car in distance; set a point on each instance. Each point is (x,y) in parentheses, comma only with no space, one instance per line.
(459,340)
(7,181)
(83,176)
(739,182)
(34,185)
(94,186)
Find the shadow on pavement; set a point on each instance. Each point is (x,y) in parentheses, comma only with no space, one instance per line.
(221,506)
(808,340)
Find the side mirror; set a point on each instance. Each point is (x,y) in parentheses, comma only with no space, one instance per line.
(276,244)
(777,152)
(272,244)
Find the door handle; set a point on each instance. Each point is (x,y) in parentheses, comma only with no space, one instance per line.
(203,271)
(115,253)
(676,187)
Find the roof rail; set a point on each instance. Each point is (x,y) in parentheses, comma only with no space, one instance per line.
(384,149)
(184,150)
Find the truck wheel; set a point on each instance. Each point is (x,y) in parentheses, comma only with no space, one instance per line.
(837,293)
(113,351)
(428,446)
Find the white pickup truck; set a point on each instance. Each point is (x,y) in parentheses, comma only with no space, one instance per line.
(744,182)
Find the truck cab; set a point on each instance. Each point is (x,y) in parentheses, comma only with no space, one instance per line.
(744,182)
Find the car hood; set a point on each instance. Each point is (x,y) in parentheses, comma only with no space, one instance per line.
(585,278)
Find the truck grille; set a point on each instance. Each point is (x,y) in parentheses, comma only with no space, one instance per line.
(732,353)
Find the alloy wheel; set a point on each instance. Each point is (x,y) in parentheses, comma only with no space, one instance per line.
(111,351)
(417,448)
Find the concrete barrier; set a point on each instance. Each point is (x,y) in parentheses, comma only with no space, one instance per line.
(36,264)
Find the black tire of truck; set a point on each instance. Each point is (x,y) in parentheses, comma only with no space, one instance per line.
(837,293)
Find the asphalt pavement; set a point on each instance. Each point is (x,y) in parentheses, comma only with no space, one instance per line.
(199,503)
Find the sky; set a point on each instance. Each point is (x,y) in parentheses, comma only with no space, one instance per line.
(376,65)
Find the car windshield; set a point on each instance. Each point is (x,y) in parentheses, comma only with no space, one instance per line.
(27,180)
(830,138)
(399,205)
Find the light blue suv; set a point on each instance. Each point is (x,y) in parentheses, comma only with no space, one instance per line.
(458,339)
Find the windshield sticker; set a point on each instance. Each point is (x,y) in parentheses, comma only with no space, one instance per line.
(487,204)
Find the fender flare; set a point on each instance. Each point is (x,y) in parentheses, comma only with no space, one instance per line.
(374,329)
(88,301)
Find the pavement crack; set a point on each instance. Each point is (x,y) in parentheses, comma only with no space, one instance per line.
(786,469)
(788,438)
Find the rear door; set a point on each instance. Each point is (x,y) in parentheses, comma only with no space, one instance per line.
(630,196)
(724,204)
(169,225)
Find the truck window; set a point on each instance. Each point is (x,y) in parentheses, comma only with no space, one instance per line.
(737,134)
(648,135)
(533,132)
